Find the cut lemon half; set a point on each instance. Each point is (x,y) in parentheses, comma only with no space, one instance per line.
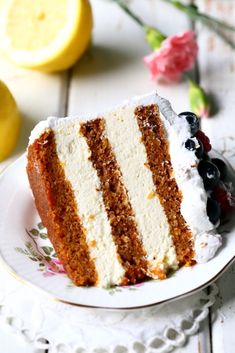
(9,122)
(47,35)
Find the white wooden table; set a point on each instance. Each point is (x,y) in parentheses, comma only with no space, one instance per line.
(112,70)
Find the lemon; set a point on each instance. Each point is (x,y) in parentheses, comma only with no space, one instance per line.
(47,35)
(9,122)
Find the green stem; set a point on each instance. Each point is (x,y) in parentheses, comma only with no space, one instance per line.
(193,12)
(126,9)
(223,36)
(153,36)
(211,22)
(216,22)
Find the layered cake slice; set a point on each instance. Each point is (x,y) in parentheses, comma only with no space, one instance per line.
(122,194)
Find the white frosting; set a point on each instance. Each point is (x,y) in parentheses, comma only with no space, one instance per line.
(125,137)
(74,153)
(38,130)
(206,245)
(50,123)
(184,162)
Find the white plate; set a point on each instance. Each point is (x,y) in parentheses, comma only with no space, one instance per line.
(28,254)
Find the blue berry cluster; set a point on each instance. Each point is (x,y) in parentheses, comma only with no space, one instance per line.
(212,171)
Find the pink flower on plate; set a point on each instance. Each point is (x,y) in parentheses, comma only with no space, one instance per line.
(176,55)
(53,267)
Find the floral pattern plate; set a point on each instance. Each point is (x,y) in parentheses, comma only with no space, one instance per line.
(28,254)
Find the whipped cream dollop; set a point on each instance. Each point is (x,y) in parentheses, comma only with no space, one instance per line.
(206,245)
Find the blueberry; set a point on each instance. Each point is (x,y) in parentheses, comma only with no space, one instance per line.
(209,173)
(193,121)
(221,166)
(200,150)
(205,157)
(191,145)
(213,210)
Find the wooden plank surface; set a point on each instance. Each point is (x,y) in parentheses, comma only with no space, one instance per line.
(217,72)
(38,95)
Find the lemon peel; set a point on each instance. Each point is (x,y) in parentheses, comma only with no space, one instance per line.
(9,122)
(47,35)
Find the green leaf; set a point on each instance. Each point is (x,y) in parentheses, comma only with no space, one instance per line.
(40,225)
(47,258)
(54,255)
(33,258)
(199,101)
(43,235)
(47,250)
(111,292)
(29,246)
(70,285)
(34,232)
(118,290)
(20,250)
(154,37)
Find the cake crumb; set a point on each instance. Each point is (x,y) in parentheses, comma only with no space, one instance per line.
(159,271)
(151,195)
(91,217)
(93,243)
(147,165)
(42,143)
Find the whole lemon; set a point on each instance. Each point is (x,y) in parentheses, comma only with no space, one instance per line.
(9,122)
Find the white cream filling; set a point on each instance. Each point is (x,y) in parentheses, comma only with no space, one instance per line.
(125,137)
(74,153)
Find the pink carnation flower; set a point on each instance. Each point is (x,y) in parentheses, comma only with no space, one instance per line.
(176,55)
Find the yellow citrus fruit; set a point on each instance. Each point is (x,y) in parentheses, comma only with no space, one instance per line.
(9,122)
(47,35)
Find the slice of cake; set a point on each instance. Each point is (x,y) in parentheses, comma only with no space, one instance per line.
(124,195)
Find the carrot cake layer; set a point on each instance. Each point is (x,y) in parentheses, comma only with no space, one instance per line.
(121,194)
(117,204)
(90,208)
(157,148)
(55,201)
(124,135)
